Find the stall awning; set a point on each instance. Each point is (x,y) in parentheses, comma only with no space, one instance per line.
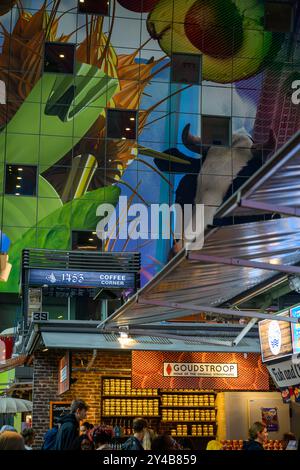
(181,337)
(234,258)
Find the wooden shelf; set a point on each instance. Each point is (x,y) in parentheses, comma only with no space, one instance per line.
(180,407)
(186,421)
(173,392)
(132,396)
(131,416)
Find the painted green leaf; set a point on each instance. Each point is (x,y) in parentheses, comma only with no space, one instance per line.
(56,115)
(54,231)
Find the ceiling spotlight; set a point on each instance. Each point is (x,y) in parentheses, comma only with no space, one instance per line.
(17,194)
(62,56)
(132,119)
(123,138)
(91,239)
(20,169)
(127,129)
(18,185)
(19,177)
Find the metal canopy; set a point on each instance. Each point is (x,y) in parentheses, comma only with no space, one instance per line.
(274,188)
(247,254)
(276,242)
(180,337)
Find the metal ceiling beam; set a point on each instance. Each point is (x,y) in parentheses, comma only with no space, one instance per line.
(284,268)
(243,333)
(209,309)
(250,204)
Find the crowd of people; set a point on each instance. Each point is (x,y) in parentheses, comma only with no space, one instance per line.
(69,435)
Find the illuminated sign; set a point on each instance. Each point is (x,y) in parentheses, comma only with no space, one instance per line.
(201,369)
(41,277)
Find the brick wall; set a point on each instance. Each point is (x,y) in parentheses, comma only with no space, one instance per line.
(86,387)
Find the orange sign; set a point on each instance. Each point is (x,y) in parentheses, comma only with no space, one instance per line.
(217,371)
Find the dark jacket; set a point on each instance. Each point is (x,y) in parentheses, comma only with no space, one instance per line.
(252,445)
(68,432)
(132,444)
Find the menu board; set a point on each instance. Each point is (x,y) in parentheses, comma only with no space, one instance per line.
(57,410)
(295,313)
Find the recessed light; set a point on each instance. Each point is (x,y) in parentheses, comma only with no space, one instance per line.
(20,169)
(81,1)
(91,239)
(123,138)
(44,350)
(18,186)
(127,129)
(62,56)
(94,233)
(60,316)
(19,177)
(17,194)
(132,119)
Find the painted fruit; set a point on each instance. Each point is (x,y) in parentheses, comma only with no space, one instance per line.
(168,26)
(140,6)
(213,29)
(6,5)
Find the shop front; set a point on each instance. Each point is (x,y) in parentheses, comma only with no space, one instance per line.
(202,395)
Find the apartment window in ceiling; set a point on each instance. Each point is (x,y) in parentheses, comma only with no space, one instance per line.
(215,130)
(94,7)
(279,17)
(186,68)
(21,180)
(121,124)
(85,240)
(59,57)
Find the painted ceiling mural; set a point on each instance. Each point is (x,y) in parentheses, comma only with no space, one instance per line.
(123,61)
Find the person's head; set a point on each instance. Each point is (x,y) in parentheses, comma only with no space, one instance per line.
(28,436)
(163,443)
(79,409)
(139,426)
(258,432)
(85,427)
(214,445)
(149,436)
(185,443)
(288,436)
(11,440)
(102,435)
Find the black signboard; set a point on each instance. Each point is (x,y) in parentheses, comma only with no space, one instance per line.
(58,409)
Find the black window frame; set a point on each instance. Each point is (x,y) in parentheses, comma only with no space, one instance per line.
(183,54)
(111,111)
(64,45)
(7,165)
(215,116)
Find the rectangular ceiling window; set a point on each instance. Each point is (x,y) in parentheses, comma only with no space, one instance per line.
(85,240)
(94,7)
(59,57)
(121,124)
(216,130)
(186,68)
(21,180)
(279,17)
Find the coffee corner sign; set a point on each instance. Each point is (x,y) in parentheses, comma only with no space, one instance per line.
(202,369)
